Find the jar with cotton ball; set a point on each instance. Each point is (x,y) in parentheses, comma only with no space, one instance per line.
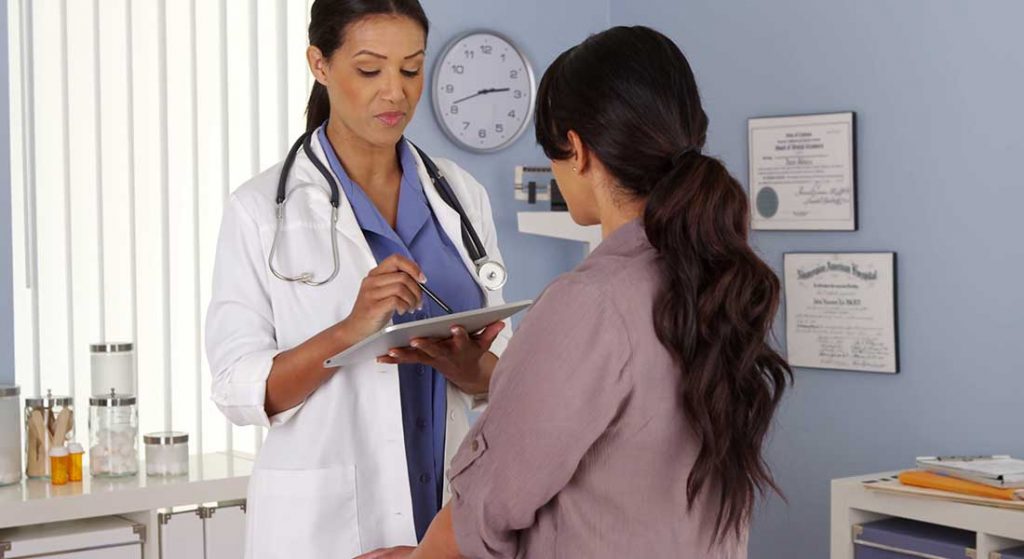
(113,435)
(113,366)
(10,435)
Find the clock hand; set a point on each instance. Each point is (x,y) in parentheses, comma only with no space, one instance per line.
(482,92)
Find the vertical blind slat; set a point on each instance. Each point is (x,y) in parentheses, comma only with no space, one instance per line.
(29,180)
(196,303)
(101,319)
(129,66)
(66,179)
(226,152)
(165,229)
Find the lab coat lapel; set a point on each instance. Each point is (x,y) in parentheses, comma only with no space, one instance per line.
(446,215)
(347,224)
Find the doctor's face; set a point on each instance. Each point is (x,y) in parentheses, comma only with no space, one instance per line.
(375,78)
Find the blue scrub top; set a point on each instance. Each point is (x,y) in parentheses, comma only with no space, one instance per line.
(418,236)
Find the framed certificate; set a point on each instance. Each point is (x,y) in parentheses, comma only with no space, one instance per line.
(841,311)
(803,172)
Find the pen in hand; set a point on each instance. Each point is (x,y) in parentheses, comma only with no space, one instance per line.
(436,299)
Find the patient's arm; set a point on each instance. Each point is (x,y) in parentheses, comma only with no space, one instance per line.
(439,542)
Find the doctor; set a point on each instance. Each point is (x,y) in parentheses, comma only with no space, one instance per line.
(323,250)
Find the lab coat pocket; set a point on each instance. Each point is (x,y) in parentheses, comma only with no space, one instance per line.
(303,513)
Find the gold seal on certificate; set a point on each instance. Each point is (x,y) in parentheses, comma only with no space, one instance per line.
(841,311)
(802,173)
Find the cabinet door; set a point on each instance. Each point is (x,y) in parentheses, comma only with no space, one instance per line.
(225,531)
(181,535)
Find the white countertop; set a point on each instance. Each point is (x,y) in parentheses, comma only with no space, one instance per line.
(212,477)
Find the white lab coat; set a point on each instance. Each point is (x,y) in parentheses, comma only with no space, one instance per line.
(331,477)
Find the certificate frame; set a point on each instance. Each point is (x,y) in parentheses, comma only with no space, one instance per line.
(773,204)
(890,300)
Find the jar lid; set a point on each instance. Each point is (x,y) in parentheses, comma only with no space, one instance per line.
(8,391)
(111,347)
(112,400)
(49,401)
(58,451)
(165,437)
(75,448)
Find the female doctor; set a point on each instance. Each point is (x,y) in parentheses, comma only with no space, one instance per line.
(325,249)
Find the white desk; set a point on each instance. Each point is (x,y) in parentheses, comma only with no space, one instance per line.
(212,478)
(997,529)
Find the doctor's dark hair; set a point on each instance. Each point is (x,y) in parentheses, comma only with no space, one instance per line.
(328,21)
(630,95)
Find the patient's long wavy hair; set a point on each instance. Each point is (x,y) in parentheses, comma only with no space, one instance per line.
(631,97)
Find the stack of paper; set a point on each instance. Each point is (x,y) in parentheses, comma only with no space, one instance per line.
(999,471)
(930,480)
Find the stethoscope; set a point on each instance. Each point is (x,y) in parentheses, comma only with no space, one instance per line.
(492,274)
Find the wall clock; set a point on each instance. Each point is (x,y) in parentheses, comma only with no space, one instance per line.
(483,90)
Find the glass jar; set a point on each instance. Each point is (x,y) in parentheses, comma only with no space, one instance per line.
(113,431)
(10,435)
(113,368)
(166,453)
(49,422)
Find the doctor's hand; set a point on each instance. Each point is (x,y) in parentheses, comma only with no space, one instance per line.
(389,553)
(388,289)
(464,360)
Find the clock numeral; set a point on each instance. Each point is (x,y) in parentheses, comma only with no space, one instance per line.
(449,88)
(518,94)
(470,54)
(487,49)
(503,58)
(512,114)
(514,74)
(499,128)
(458,68)
(455,109)
(482,133)
(465,124)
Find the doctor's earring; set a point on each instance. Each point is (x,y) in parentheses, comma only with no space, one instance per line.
(575,170)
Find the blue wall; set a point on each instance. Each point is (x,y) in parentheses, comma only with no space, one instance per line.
(532,261)
(6,288)
(938,89)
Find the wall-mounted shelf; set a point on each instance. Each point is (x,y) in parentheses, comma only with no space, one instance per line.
(559,225)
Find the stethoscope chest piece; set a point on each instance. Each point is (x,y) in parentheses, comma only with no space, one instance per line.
(492,275)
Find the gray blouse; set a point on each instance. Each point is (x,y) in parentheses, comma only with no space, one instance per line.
(584,449)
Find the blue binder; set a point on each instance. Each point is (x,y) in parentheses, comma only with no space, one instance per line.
(1015,553)
(899,538)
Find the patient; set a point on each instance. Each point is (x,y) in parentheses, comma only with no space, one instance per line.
(628,414)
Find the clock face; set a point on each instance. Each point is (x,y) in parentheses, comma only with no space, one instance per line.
(483,90)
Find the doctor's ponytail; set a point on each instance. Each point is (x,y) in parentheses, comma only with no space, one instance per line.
(631,97)
(328,21)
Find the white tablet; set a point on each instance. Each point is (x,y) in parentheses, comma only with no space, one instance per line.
(400,335)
